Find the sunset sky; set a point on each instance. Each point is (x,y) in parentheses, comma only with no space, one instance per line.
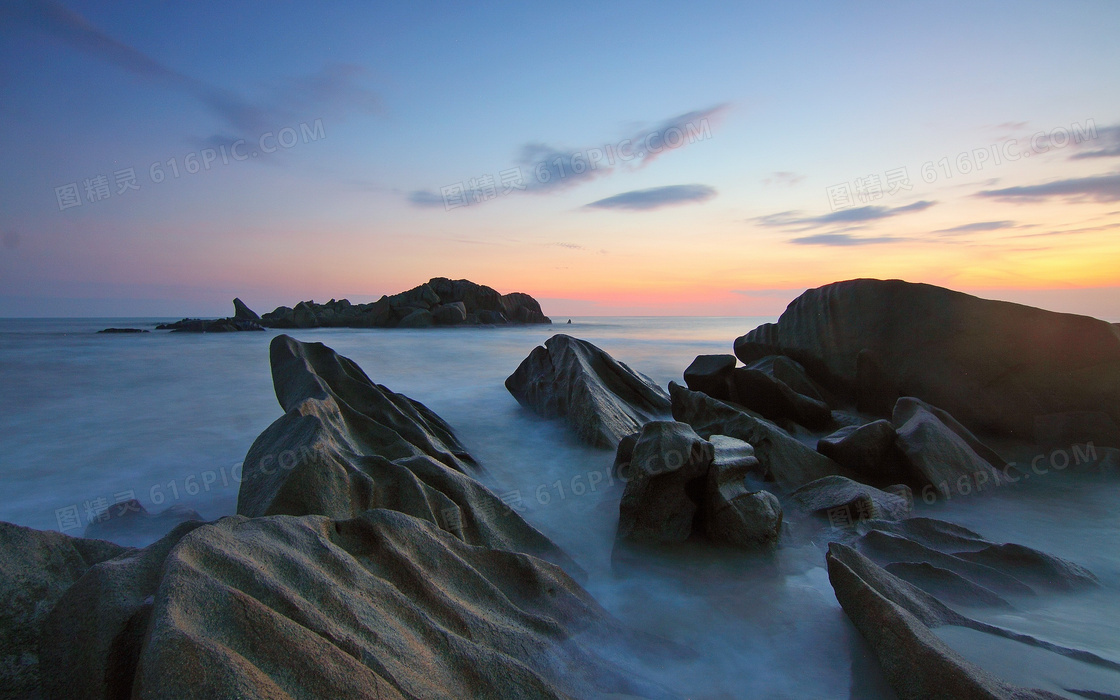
(358,149)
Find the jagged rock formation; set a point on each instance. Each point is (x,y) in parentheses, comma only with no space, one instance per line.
(992,364)
(439,302)
(346,445)
(601,398)
(243,319)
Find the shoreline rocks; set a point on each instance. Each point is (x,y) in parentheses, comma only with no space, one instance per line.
(993,365)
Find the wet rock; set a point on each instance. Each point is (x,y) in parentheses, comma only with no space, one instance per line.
(732,513)
(946,585)
(774,400)
(345,445)
(381,605)
(711,374)
(938,451)
(664,483)
(896,620)
(601,398)
(868,450)
(857,501)
(784,460)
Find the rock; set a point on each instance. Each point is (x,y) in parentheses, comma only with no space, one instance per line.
(624,454)
(602,399)
(875,391)
(1004,568)
(857,501)
(868,450)
(711,374)
(522,308)
(131,524)
(771,397)
(451,302)
(895,618)
(123,330)
(790,373)
(346,445)
(938,455)
(663,483)
(420,318)
(380,605)
(732,513)
(450,314)
(733,453)
(1058,431)
(36,569)
(783,459)
(242,312)
(946,584)
(993,365)
(221,325)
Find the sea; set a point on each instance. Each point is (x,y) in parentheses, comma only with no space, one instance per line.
(88,419)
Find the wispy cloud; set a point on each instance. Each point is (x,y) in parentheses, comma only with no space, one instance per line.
(655,198)
(845,240)
(570,246)
(977,226)
(1100,188)
(542,168)
(783,177)
(796,221)
(1106,145)
(332,91)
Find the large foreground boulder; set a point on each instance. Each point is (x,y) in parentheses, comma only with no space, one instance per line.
(346,445)
(36,569)
(383,605)
(992,364)
(601,398)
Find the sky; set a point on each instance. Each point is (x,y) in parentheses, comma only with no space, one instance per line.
(160,158)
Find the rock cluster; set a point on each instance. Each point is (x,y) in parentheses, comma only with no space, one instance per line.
(679,484)
(438,302)
(993,365)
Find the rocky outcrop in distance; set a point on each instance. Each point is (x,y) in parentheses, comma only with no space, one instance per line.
(601,398)
(243,319)
(993,365)
(438,302)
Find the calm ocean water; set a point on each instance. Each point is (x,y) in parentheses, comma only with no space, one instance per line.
(88,419)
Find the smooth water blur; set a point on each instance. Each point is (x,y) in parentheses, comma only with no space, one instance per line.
(88,419)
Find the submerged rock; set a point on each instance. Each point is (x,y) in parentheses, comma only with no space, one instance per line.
(601,398)
(992,364)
